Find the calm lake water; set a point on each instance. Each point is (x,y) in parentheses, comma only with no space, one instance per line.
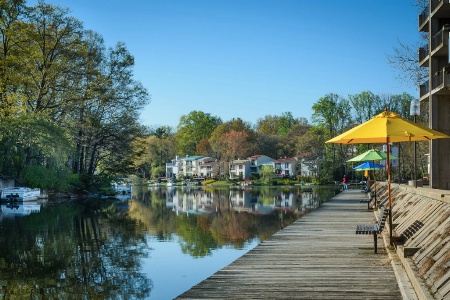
(153,244)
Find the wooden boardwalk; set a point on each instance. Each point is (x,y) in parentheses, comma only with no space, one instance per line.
(317,257)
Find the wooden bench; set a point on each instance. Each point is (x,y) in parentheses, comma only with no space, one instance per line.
(365,189)
(374,229)
(368,200)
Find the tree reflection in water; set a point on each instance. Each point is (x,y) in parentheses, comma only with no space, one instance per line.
(76,251)
(94,249)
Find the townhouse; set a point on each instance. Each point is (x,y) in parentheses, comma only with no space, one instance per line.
(207,167)
(285,167)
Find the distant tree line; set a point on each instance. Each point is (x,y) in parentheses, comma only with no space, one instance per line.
(277,136)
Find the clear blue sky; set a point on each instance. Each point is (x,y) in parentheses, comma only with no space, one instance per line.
(252,58)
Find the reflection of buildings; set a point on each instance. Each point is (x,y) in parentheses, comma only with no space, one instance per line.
(191,201)
(284,201)
(247,200)
(197,200)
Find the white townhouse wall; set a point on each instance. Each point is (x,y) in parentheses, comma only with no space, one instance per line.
(206,167)
(240,168)
(285,167)
(172,168)
(258,161)
(190,165)
(187,166)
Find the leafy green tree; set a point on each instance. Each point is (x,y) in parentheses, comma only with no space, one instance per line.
(108,120)
(162,132)
(403,105)
(364,105)
(32,140)
(268,125)
(288,143)
(286,122)
(267,173)
(268,145)
(48,179)
(192,128)
(50,60)
(11,15)
(156,152)
(158,171)
(332,114)
(278,125)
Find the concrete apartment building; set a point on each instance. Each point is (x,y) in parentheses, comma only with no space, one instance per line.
(435,21)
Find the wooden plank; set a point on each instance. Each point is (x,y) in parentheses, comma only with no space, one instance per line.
(319,256)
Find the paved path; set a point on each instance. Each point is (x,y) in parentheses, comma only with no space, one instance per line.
(317,257)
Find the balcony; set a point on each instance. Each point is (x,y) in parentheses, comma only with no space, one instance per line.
(440,8)
(424,18)
(439,43)
(423,53)
(438,4)
(440,82)
(424,90)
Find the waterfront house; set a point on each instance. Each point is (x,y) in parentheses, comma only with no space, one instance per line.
(191,166)
(240,168)
(207,168)
(257,162)
(285,167)
(172,168)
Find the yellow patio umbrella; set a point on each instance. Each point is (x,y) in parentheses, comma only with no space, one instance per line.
(386,128)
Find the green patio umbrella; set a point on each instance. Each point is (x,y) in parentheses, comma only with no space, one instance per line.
(372,154)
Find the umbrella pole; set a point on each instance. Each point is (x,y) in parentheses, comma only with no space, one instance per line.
(389,192)
(375,188)
(375,185)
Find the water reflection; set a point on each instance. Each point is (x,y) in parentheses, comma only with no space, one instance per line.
(260,201)
(13,209)
(104,248)
(83,250)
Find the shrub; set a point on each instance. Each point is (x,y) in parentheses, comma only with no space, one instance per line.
(208,181)
(48,179)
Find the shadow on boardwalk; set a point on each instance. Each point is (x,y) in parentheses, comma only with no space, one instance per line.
(317,257)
